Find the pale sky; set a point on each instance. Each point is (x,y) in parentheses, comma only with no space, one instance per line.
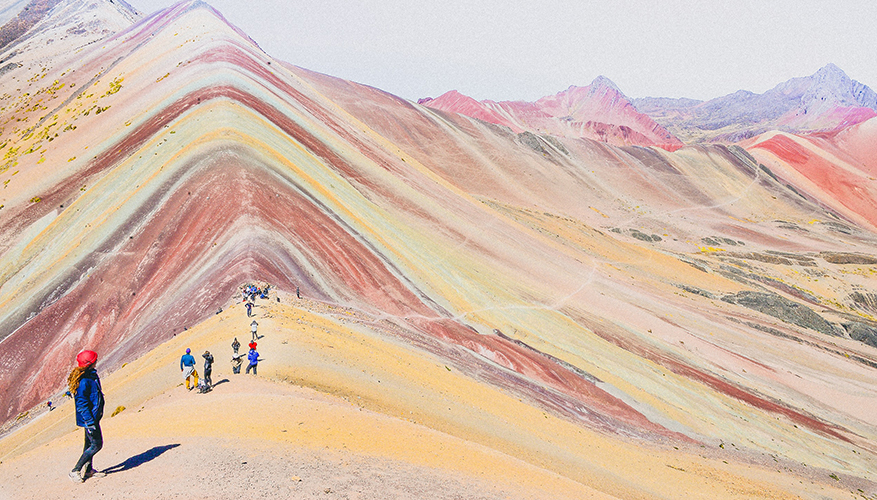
(524,50)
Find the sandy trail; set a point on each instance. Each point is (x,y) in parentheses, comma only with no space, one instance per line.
(309,425)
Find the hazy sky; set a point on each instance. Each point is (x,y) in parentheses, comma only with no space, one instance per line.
(523,50)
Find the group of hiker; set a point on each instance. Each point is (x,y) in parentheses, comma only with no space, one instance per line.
(85,388)
(249,294)
(190,373)
(251,291)
(238,359)
(187,362)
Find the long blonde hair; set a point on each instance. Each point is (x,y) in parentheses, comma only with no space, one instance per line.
(75,375)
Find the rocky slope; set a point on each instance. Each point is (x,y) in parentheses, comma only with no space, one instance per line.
(614,321)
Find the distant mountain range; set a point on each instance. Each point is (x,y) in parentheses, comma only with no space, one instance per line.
(826,101)
(599,111)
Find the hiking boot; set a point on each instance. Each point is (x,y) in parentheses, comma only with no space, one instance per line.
(75,477)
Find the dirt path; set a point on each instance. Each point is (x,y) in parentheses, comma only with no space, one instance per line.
(340,412)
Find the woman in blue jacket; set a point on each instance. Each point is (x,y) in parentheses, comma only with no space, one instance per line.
(84,385)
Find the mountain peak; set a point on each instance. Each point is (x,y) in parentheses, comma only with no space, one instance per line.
(830,69)
(831,87)
(603,82)
(831,75)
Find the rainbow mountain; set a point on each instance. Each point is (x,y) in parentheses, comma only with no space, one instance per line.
(710,300)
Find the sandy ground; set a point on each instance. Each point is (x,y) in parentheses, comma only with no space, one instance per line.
(209,468)
(174,447)
(399,426)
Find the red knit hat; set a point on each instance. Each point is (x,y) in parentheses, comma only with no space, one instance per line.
(252,345)
(86,358)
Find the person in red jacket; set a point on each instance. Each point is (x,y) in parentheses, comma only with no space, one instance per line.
(85,388)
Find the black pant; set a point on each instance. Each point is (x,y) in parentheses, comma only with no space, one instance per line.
(253,367)
(94,441)
(207,379)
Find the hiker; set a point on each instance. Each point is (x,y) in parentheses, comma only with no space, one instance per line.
(249,307)
(208,368)
(84,384)
(253,358)
(235,345)
(253,327)
(236,361)
(297,292)
(187,366)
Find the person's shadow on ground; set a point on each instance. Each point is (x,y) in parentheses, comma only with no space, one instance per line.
(140,459)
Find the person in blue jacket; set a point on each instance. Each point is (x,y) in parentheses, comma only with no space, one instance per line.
(187,366)
(253,358)
(84,385)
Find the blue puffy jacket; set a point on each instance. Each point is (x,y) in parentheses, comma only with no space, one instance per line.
(89,400)
(253,357)
(187,360)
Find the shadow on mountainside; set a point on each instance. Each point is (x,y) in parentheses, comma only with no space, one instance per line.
(140,459)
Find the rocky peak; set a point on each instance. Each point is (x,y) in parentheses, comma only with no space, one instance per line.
(830,83)
(574,95)
(830,86)
(601,82)
(830,72)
